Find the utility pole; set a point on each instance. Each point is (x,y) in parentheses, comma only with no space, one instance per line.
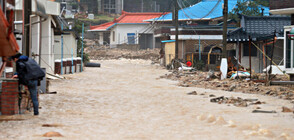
(224,62)
(82,55)
(177,27)
(225,18)
(27,11)
(61,69)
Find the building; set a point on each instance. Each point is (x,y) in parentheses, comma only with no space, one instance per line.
(264,31)
(129,29)
(42,30)
(198,28)
(286,8)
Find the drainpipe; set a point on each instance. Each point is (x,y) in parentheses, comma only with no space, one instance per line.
(40,44)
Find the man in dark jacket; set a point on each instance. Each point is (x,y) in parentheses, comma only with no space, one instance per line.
(28,73)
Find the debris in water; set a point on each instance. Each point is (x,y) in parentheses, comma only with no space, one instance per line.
(192,93)
(239,102)
(263,111)
(286,109)
(218,99)
(52,134)
(51,125)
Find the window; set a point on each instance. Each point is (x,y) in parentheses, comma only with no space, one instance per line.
(131,38)
(113,36)
(246,50)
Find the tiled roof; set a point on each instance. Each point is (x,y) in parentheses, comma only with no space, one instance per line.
(205,10)
(265,24)
(259,28)
(127,18)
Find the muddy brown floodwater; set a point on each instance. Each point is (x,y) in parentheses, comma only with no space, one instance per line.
(125,99)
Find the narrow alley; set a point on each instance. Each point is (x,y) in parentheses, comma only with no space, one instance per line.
(126,99)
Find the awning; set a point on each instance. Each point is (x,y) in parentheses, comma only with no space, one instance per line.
(167,41)
(8,43)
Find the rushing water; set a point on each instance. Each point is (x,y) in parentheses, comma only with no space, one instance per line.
(125,99)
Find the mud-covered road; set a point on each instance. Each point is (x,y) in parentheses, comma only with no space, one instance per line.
(126,99)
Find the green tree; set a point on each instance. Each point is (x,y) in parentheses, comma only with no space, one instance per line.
(248,8)
(78,27)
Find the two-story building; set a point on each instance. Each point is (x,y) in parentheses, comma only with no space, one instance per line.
(42,30)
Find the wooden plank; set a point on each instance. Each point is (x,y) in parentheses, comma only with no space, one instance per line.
(282,82)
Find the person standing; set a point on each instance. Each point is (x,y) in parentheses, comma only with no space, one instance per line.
(29,73)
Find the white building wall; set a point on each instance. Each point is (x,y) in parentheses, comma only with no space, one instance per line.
(47,56)
(121,31)
(101,38)
(69,46)
(52,8)
(36,38)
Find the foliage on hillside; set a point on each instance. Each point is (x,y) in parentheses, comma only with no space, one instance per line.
(248,8)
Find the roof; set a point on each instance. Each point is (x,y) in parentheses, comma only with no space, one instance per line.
(259,28)
(204,10)
(126,18)
(168,41)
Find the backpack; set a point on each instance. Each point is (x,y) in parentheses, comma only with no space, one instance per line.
(33,70)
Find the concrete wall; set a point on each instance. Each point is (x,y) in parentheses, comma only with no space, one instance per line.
(69,46)
(132,47)
(47,55)
(36,38)
(120,31)
(52,8)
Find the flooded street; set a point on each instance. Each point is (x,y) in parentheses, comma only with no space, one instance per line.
(126,99)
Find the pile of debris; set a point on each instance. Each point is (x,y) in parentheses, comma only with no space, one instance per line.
(106,53)
(239,102)
(211,80)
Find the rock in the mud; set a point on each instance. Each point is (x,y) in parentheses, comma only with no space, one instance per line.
(225,85)
(286,109)
(211,95)
(241,104)
(192,93)
(51,125)
(195,82)
(271,92)
(184,85)
(52,134)
(283,89)
(232,88)
(218,85)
